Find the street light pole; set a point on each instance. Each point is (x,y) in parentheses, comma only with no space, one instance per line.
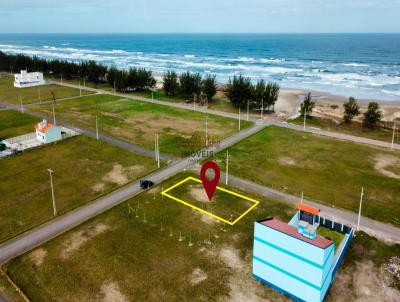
(158,151)
(227,167)
(394,131)
(239,120)
(97,129)
(54,114)
(359,210)
(206,130)
(262,109)
(52,192)
(247,118)
(22,107)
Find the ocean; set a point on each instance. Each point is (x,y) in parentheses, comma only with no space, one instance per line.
(359,65)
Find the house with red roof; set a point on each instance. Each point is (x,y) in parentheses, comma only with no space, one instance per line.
(47,132)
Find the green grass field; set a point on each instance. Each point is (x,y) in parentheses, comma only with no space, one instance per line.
(138,122)
(220,102)
(83,168)
(354,128)
(328,171)
(14,123)
(31,94)
(151,248)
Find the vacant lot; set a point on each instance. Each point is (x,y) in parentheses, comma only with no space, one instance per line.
(83,170)
(154,249)
(33,94)
(326,170)
(138,122)
(354,128)
(14,123)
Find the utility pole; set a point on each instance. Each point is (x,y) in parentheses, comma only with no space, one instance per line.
(152,94)
(239,120)
(206,130)
(227,167)
(158,151)
(359,210)
(52,192)
(262,109)
(97,129)
(80,88)
(155,146)
(304,122)
(22,107)
(54,113)
(247,118)
(394,131)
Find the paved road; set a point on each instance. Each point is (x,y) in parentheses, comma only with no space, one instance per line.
(102,136)
(383,231)
(312,130)
(43,233)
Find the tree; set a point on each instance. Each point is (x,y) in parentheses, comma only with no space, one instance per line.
(209,86)
(372,116)
(271,95)
(190,85)
(239,91)
(351,109)
(170,83)
(307,106)
(258,95)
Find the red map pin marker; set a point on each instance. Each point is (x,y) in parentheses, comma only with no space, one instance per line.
(210,185)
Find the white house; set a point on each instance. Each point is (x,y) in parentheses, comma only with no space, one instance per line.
(28,79)
(47,133)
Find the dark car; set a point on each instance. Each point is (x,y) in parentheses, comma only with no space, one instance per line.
(145,184)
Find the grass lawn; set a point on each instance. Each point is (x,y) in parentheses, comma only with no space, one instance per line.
(138,122)
(154,249)
(83,168)
(328,171)
(220,102)
(31,94)
(14,123)
(354,128)
(333,235)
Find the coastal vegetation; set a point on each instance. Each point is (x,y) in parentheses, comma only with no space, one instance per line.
(372,116)
(307,106)
(242,93)
(134,79)
(190,86)
(351,110)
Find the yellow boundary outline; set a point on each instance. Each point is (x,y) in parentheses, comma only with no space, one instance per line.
(256,202)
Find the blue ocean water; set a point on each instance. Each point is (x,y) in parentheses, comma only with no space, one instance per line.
(361,65)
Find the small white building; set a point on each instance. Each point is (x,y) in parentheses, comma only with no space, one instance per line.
(47,133)
(28,79)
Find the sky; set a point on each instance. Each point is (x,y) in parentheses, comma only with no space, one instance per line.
(198,16)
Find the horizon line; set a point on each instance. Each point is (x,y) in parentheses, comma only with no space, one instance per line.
(193,33)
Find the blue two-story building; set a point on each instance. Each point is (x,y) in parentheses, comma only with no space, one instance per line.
(293,259)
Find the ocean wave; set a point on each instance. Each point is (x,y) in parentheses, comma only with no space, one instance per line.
(345,77)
